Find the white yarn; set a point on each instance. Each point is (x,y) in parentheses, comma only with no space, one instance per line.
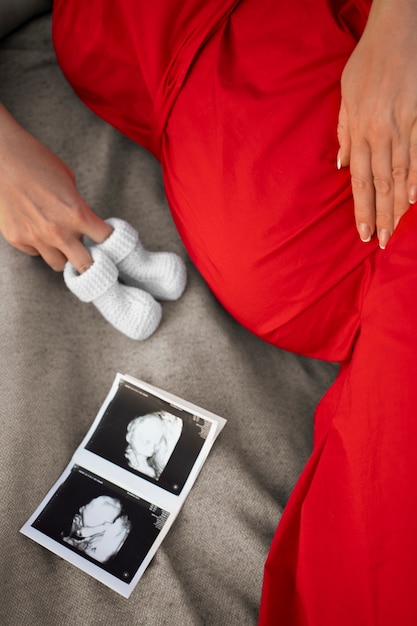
(162,274)
(95,281)
(130,310)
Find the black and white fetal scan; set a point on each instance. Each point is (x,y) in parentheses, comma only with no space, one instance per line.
(149,437)
(102,523)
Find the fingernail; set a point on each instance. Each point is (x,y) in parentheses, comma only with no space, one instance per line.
(383,237)
(85,266)
(413,195)
(364,232)
(338,161)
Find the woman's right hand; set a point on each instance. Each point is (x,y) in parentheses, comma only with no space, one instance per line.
(41,211)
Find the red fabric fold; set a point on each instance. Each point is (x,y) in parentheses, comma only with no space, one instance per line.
(128,60)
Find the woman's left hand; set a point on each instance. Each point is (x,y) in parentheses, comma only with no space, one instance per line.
(378,119)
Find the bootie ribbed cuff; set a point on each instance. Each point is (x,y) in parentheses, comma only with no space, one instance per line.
(130,310)
(95,281)
(120,243)
(162,274)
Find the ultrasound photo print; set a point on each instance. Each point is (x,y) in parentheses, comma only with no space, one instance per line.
(101,522)
(149,437)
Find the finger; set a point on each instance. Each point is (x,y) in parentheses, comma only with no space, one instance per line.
(363,190)
(94,227)
(53,257)
(16,243)
(78,255)
(384,190)
(27,249)
(412,173)
(400,162)
(99,230)
(343,135)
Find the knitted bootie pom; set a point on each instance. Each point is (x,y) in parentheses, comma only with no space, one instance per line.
(162,274)
(130,310)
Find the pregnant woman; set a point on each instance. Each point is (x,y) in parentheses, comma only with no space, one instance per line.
(287,137)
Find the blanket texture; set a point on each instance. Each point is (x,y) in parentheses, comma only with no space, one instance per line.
(58,359)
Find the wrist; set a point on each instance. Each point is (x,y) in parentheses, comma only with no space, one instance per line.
(394,11)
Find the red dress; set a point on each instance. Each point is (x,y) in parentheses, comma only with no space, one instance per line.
(239,102)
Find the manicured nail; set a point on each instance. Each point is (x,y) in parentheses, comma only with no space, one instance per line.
(84,267)
(338,161)
(413,195)
(383,238)
(364,232)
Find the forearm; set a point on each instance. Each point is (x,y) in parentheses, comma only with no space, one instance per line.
(386,15)
(399,6)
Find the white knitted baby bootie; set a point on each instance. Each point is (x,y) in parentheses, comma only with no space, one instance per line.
(130,310)
(161,274)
